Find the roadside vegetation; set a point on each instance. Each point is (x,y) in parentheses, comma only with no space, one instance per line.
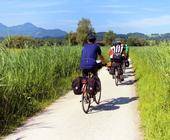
(32,78)
(152,68)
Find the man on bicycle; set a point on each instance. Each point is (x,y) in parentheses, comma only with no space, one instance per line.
(117,54)
(90,52)
(127,55)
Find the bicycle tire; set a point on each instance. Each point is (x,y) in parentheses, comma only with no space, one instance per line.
(97,100)
(86,101)
(116,77)
(123,67)
(97,96)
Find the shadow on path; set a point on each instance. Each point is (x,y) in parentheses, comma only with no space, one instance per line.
(128,75)
(130,82)
(112,104)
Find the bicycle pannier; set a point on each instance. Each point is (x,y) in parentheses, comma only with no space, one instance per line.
(91,85)
(127,63)
(94,85)
(77,85)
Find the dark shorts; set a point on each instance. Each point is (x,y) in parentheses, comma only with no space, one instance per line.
(93,70)
(117,59)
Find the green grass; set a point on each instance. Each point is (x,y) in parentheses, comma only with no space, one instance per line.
(30,79)
(152,66)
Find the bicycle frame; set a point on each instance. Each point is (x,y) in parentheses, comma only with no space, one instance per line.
(84,87)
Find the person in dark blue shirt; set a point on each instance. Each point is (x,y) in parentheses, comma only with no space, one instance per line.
(90,52)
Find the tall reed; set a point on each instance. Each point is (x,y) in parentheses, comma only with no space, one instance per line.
(30,77)
(152,65)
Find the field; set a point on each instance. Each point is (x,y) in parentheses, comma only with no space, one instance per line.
(30,79)
(152,67)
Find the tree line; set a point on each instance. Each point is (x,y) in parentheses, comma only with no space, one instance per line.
(84,27)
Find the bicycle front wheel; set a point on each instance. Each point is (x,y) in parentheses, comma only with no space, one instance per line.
(123,67)
(97,96)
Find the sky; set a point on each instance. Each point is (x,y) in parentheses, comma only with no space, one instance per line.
(121,16)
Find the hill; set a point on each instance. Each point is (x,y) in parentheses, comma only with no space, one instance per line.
(28,29)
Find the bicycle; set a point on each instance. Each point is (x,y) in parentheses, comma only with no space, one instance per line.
(117,74)
(88,96)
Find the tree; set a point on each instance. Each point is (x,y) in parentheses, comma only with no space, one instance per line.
(72,38)
(84,27)
(109,37)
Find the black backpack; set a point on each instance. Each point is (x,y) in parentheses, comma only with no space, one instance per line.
(77,85)
(117,58)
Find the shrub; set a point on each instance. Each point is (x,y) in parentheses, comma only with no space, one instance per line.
(136,41)
(18,42)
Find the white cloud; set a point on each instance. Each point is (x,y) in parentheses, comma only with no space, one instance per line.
(39,4)
(66,22)
(136,25)
(149,22)
(32,13)
(113,9)
(113,12)
(148,9)
(115,6)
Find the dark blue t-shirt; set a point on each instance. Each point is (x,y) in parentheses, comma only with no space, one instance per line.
(89,56)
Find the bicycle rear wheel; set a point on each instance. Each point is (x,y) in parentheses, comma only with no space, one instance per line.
(97,96)
(116,77)
(123,67)
(86,101)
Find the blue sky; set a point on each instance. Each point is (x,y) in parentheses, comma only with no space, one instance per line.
(121,16)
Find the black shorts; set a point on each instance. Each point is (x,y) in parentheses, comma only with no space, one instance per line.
(117,59)
(93,70)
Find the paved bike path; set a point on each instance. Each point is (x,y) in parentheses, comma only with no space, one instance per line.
(116,118)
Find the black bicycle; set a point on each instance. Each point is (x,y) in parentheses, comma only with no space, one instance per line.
(117,72)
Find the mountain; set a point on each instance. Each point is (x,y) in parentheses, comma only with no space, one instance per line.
(2,26)
(136,34)
(125,36)
(28,29)
(100,36)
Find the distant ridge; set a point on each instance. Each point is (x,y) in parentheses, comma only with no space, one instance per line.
(28,29)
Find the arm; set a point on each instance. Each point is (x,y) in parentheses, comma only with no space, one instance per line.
(100,55)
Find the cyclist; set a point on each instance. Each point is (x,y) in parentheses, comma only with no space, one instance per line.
(127,55)
(127,51)
(117,54)
(90,52)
